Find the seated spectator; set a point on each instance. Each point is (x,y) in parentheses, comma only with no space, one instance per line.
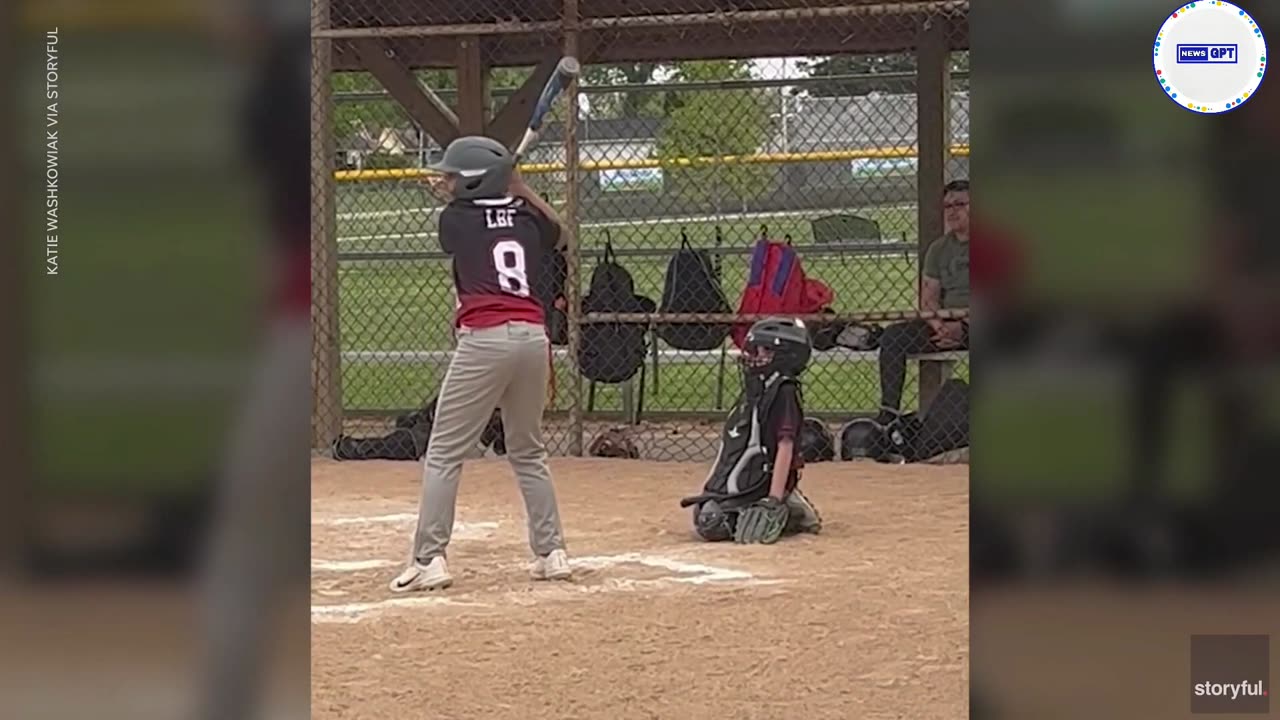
(944,286)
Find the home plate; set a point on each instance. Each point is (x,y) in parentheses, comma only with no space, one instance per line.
(684,572)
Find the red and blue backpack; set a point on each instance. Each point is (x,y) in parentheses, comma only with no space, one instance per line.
(777,285)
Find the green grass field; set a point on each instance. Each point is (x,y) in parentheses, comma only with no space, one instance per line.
(407,305)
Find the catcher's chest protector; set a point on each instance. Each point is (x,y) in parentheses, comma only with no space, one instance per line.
(743,467)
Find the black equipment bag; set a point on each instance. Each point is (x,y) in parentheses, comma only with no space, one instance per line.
(823,334)
(612,352)
(944,426)
(409,439)
(693,286)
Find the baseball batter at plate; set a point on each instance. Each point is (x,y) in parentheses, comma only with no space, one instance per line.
(752,494)
(498,232)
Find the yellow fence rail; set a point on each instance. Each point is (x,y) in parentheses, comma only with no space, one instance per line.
(640,163)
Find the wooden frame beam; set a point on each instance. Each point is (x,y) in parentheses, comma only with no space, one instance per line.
(423,106)
(933,107)
(508,124)
(394,26)
(326,357)
(473,86)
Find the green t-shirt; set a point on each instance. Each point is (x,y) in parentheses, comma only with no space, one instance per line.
(947,260)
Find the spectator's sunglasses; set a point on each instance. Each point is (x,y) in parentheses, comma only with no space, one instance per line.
(955,204)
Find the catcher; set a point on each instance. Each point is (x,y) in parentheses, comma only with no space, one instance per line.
(752,494)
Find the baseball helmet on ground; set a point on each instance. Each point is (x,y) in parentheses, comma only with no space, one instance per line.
(483,167)
(816,442)
(864,438)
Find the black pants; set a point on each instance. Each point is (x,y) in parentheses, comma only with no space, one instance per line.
(899,340)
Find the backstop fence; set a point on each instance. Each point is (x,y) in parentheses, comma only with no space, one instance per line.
(697,128)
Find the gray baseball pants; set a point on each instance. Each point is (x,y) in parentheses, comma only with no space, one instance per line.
(506,367)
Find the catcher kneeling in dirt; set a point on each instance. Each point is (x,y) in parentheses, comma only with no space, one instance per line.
(752,494)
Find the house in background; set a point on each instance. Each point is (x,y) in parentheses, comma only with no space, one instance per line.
(400,146)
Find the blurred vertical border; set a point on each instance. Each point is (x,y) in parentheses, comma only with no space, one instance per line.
(1126,424)
(127,376)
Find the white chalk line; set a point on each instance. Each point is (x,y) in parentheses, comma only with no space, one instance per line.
(350,565)
(364,519)
(686,573)
(460,529)
(355,612)
(697,573)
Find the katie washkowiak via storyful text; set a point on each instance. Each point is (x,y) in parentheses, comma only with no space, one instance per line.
(51,153)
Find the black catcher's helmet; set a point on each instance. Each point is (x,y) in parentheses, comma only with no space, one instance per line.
(816,442)
(788,342)
(864,438)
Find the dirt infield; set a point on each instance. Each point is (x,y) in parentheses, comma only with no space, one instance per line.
(867,620)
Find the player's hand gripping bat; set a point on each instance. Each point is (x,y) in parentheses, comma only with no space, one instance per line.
(564,74)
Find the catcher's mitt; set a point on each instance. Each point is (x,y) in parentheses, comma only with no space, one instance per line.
(762,522)
(615,443)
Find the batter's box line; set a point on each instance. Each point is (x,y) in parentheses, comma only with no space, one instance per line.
(355,612)
(345,566)
(687,573)
(397,519)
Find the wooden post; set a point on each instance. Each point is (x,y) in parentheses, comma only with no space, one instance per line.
(326,350)
(933,59)
(570,216)
(473,86)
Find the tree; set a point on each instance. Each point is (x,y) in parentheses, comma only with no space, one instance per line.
(712,123)
(835,65)
(352,118)
(627,103)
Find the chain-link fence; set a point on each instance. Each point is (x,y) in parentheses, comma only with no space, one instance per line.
(697,130)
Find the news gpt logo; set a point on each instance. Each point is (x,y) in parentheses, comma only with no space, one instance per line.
(1210,57)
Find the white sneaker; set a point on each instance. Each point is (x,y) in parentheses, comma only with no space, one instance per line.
(432,576)
(552,566)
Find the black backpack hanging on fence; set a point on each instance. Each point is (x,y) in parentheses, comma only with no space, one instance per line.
(693,286)
(612,352)
(548,288)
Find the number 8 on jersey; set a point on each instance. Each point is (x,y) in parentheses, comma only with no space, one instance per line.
(498,246)
(508,258)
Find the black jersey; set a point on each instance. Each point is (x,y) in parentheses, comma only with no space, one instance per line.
(499,247)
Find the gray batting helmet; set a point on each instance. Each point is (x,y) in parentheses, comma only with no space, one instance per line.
(482,165)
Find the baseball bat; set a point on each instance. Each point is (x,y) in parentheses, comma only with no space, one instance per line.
(566,70)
